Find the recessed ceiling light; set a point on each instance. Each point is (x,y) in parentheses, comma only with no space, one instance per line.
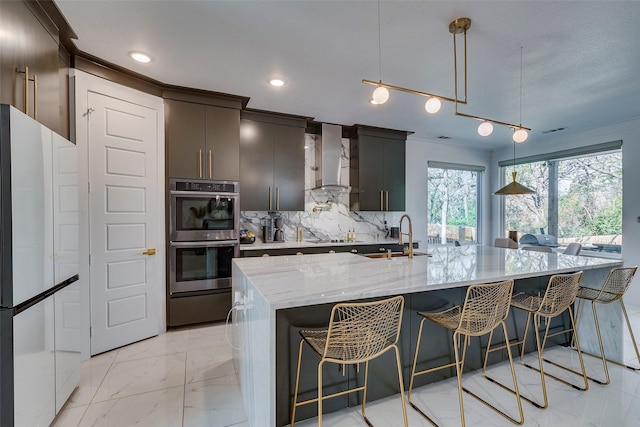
(277,81)
(140,57)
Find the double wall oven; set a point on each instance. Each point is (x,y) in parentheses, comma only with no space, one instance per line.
(203,240)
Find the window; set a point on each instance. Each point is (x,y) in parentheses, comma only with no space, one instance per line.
(453,202)
(578,197)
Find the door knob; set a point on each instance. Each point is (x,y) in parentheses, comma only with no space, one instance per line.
(150,251)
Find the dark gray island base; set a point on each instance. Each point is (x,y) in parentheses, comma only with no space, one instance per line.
(277,297)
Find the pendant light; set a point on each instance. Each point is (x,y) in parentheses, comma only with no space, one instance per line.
(514,188)
(520,135)
(485,128)
(458,27)
(381,93)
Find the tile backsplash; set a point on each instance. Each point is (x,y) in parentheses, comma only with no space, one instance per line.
(326,214)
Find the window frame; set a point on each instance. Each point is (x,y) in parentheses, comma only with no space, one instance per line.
(480,170)
(556,156)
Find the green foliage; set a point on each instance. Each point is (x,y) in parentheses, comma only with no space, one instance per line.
(589,197)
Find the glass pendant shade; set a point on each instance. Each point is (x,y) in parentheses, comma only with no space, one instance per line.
(381,95)
(514,188)
(433,105)
(520,135)
(485,129)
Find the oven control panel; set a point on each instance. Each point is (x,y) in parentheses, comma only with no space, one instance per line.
(206,187)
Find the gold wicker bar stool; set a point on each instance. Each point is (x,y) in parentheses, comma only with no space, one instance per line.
(357,333)
(613,289)
(559,296)
(485,308)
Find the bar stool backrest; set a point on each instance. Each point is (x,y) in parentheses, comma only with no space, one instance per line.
(361,331)
(617,284)
(560,294)
(573,249)
(485,306)
(503,242)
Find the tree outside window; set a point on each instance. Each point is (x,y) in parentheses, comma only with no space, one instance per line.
(577,200)
(452,205)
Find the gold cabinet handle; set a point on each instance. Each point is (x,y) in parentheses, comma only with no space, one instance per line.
(277,198)
(35,96)
(386,195)
(27,79)
(269,198)
(210,164)
(150,251)
(26,90)
(381,204)
(199,163)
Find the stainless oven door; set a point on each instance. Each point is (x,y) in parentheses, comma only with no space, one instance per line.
(201,266)
(197,216)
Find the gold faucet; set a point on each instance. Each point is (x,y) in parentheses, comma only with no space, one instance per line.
(410,234)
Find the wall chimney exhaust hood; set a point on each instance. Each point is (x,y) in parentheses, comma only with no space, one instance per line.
(329,160)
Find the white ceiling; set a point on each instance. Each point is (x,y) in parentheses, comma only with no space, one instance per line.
(581,59)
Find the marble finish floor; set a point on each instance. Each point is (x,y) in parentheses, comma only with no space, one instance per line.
(186,378)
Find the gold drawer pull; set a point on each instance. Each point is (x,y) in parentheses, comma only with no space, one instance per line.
(150,251)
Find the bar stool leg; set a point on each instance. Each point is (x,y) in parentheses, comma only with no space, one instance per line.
(295,393)
(515,389)
(633,338)
(320,393)
(456,344)
(401,383)
(583,372)
(602,354)
(364,391)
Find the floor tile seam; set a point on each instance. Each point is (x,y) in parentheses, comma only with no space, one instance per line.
(237,383)
(184,386)
(150,356)
(65,409)
(184,353)
(93,395)
(138,394)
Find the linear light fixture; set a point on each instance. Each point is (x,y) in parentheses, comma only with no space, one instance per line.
(457,26)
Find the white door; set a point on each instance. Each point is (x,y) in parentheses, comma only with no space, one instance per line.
(122,140)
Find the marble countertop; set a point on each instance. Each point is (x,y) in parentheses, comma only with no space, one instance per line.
(311,244)
(296,281)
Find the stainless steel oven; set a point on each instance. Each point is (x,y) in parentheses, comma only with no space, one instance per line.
(200,267)
(203,210)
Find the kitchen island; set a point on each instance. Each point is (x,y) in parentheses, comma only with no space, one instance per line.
(274,297)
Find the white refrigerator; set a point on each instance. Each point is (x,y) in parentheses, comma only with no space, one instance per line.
(39,293)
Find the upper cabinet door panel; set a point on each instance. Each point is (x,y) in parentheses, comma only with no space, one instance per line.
(377,171)
(185,134)
(394,175)
(30,44)
(223,143)
(256,164)
(371,182)
(288,163)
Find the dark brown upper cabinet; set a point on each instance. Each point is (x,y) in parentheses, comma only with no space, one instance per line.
(203,141)
(32,45)
(377,169)
(271,162)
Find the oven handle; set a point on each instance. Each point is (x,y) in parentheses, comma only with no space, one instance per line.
(203,193)
(208,243)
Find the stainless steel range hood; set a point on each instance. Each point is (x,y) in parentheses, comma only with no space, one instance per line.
(329,160)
